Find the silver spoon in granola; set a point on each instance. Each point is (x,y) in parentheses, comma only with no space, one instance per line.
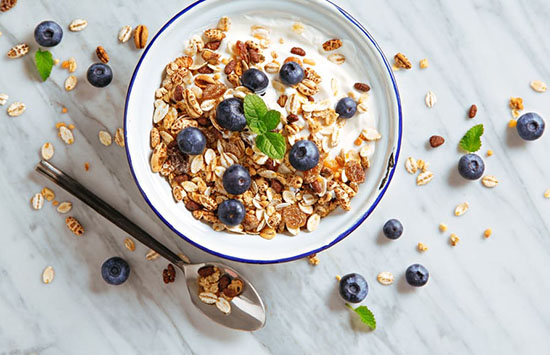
(219,291)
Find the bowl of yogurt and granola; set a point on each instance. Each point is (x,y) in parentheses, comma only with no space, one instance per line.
(260,131)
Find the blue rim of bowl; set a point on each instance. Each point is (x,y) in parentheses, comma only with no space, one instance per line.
(382,190)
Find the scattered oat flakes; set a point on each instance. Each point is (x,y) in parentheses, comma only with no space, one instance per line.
(129,244)
(401,61)
(16,109)
(78,25)
(411,165)
(64,207)
(105,138)
(424,63)
(48,194)
(424,178)
(48,275)
(3,99)
(119,137)
(538,86)
(512,123)
(185,258)
(124,34)
(70,82)
(442,227)
(66,135)
(208,297)
(74,226)
(430,99)
(69,64)
(18,51)
(489,181)
(461,208)
(151,255)
(385,278)
(47,151)
(37,201)
(313,259)
(337,58)
(454,239)
(298,28)
(422,247)
(487,233)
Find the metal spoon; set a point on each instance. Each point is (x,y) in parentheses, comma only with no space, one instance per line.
(247,310)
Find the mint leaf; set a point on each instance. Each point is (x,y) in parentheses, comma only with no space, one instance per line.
(254,111)
(471,142)
(271,120)
(365,315)
(44,63)
(272,144)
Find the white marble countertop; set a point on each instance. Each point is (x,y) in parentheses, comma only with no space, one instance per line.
(485,296)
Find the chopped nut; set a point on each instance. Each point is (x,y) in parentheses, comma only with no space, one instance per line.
(442,227)
(140,36)
(361,87)
(424,63)
(401,61)
(102,54)
(487,233)
(436,141)
(472,111)
(124,34)
(538,86)
(454,239)
(129,244)
(422,247)
(430,99)
(490,152)
(489,181)
(332,44)
(512,123)
(385,278)
(78,25)
(313,259)
(48,194)
(461,208)
(48,275)
(516,103)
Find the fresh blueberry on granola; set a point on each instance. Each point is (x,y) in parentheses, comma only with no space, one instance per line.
(417,275)
(230,114)
(346,107)
(231,212)
(236,179)
(471,166)
(100,75)
(304,155)
(255,80)
(115,270)
(191,141)
(530,126)
(48,34)
(291,73)
(353,288)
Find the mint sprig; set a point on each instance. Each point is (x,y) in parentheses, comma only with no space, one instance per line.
(471,142)
(262,121)
(365,315)
(44,63)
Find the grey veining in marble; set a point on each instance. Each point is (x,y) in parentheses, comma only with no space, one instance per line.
(484,296)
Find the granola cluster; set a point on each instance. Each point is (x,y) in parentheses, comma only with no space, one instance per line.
(280,198)
(215,288)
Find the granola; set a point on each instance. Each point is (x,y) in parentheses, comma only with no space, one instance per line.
(217,288)
(280,198)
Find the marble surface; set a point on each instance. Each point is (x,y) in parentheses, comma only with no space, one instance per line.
(484,296)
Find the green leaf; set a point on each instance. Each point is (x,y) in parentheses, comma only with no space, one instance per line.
(365,315)
(254,111)
(272,144)
(471,142)
(271,120)
(44,63)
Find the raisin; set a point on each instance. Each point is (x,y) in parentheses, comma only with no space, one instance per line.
(225,280)
(206,271)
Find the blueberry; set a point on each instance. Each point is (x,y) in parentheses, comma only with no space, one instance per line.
(353,288)
(471,166)
(100,75)
(191,141)
(255,80)
(231,212)
(230,114)
(291,73)
(393,229)
(48,34)
(236,179)
(530,126)
(304,155)
(417,275)
(115,270)
(346,107)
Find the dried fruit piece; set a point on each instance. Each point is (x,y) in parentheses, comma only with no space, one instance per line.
(430,99)
(489,181)
(293,217)
(78,25)
(424,63)
(105,138)
(124,34)
(401,61)
(16,109)
(48,275)
(298,51)
(140,36)
(361,87)
(461,208)
(47,151)
(18,51)
(538,86)
(102,54)
(129,244)
(37,201)
(169,274)
(70,82)
(74,226)
(332,44)
(436,141)
(385,278)
(64,207)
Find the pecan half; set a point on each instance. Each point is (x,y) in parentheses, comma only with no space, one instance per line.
(361,87)
(5,5)
(102,54)
(472,111)
(230,67)
(401,61)
(212,45)
(298,51)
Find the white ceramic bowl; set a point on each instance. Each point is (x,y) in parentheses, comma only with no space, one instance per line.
(167,44)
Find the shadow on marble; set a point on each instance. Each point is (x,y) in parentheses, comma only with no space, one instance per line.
(453,177)
(381,238)
(403,286)
(513,140)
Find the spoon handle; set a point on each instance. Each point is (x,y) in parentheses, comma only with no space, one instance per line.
(103,208)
